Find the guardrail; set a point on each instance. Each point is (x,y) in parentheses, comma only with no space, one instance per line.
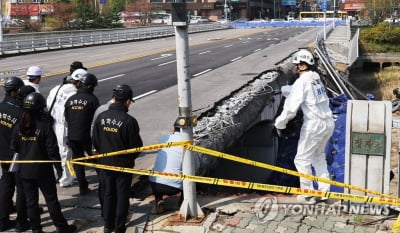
(295,23)
(34,42)
(353,48)
(343,85)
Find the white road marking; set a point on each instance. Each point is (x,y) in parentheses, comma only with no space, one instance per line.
(144,94)
(162,56)
(235,59)
(205,52)
(227,46)
(257,50)
(166,63)
(116,76)
(203,72)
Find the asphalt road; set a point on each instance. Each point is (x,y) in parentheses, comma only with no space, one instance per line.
(230,57)
(150,66)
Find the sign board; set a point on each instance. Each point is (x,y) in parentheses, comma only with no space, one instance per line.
(288,3)
(179,14)
(368,145)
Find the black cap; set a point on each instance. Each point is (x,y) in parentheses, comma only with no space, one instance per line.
(123,92)
(13,84)
(34,101)
(24,91)
(76,65)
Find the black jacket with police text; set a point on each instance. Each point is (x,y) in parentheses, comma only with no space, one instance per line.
(41,144)
(116,130)
(79,111)
(10,111)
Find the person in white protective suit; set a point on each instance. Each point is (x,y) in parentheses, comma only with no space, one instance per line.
(308,94)
(34,74)
(56,106)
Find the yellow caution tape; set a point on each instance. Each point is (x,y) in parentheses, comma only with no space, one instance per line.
(138,149)
(396,225)
(189,146)
(383,199)
(279,169)
(70,167)
(248,185)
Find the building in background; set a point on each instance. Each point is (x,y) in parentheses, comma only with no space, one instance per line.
(25,9)
(207,9)
(237,9)
(354,7)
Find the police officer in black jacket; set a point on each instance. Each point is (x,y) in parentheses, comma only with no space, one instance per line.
(116,130)
(79,111)
(33,138)
(10,111)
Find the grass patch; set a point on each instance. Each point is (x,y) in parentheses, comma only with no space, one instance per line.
(381,84)
(389,79)
(370,47)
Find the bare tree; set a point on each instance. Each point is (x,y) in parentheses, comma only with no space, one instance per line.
(378,10)
(61,15)
(143,8)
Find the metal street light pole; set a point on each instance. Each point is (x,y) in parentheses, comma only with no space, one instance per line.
(1,20)
(262,9)
(334,12)
(226,11)
(189,206)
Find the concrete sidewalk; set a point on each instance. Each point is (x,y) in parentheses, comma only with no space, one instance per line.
(224,213)
(247,213)
(241,213)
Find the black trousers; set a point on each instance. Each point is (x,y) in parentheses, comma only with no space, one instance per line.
(100,189)
(49,190)
(78,149)
(159,190)
(116,189)
(8,182)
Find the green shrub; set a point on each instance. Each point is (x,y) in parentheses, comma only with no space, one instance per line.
(383,38)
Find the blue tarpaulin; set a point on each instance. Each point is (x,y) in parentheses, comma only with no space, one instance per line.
(335,149)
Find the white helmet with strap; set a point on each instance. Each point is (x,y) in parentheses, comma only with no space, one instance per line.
(303,56)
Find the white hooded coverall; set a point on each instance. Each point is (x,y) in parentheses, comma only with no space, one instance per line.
(60,126)
(309,94)
(34,85)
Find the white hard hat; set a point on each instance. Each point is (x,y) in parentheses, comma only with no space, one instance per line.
(77,75)
(303,56)
(34,71)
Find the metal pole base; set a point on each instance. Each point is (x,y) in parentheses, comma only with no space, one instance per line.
(185,212)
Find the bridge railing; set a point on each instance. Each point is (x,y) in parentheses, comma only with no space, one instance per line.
(353,48)
(33,42)
(344,86)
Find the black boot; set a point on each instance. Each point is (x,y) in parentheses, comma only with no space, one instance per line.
(84,188)
(6,225)
(66,229)
(39,230)
(22,226)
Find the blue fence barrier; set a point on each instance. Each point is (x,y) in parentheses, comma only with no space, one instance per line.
(255,24)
